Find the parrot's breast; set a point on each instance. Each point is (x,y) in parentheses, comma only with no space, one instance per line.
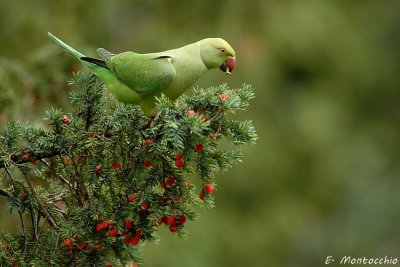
(189,69)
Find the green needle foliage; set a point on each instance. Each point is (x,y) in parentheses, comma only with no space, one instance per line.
(93,189)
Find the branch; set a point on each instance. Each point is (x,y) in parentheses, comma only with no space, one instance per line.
(49,217)
(19,158)
(7,194)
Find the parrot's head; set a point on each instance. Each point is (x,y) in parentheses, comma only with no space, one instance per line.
(216,52)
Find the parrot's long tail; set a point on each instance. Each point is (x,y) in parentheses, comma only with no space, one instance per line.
(89,62)
(66,47)
(121,91)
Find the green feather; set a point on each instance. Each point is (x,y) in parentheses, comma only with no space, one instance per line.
(104,54)
(139,78)
(145,73)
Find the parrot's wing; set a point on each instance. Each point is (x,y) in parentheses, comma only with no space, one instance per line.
(105,55)
(143,73)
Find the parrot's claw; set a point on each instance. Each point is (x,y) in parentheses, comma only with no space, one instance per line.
(154,120)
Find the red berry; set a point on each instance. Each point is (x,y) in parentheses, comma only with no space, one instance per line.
(99,246)
(169,182)
(191,113)
(68,243)
(109,265)
(132,197)
(199,148)
(147,163)
(139,233)
(22,196)
(66,160)
(201,196)
(78,160)
(173,228)
(128,224)
(100,227)
(179,163)
(25,157)
(148,142)
(182,219)
(209,188)
(135,240)
(98,169)
(144,206)
(131,240)
(65,120)
(116,165)
(113,232)
(105,224)
(170,220)
(185,183)
(83,246)
(223,96)
(178,156)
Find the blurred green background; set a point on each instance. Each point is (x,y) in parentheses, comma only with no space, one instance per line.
(323,178)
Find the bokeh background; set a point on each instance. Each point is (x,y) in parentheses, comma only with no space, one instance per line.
(324,176)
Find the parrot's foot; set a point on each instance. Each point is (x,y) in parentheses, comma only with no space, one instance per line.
(152,120)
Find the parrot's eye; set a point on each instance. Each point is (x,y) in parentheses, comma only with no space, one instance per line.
(222,50)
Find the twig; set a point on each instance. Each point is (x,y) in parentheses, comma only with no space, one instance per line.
(42,209)
(7,194)
(57,196)
(9,174)
(61,211)
(34,224)
(18,158)
(59,176)
(23,231)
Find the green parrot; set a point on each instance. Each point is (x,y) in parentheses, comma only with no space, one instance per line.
(138,78)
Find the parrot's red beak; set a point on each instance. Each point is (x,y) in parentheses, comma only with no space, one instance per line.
(228,65)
